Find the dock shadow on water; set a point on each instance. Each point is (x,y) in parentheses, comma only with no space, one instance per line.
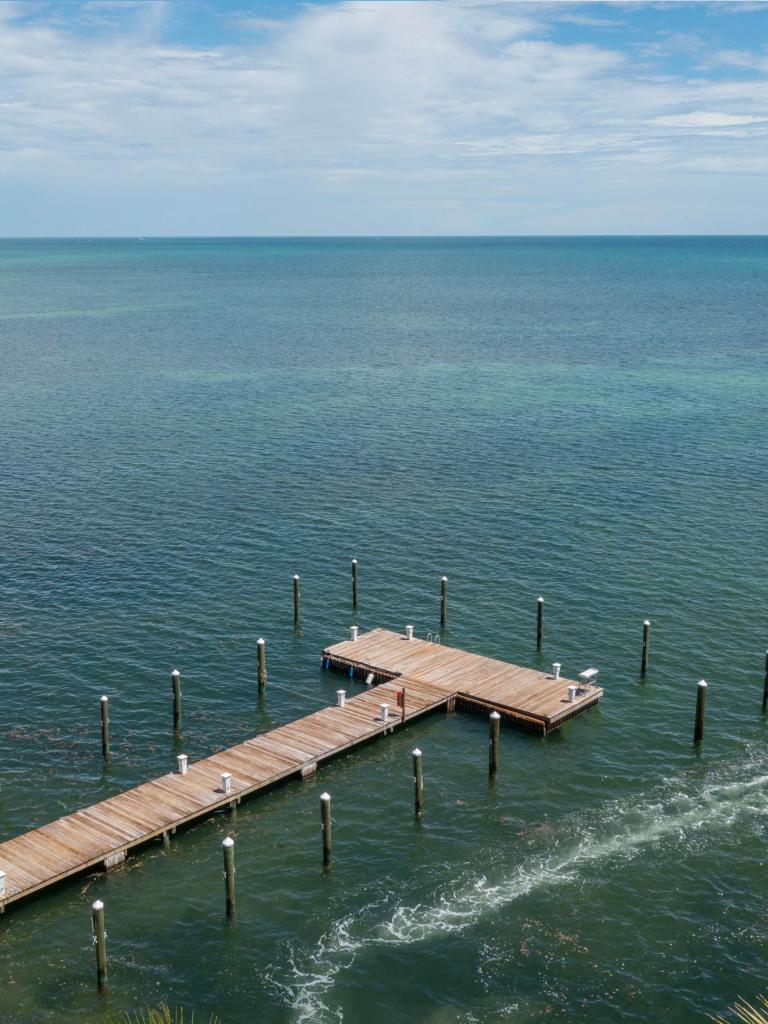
(680,812)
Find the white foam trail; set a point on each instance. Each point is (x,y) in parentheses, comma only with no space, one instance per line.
(631,829)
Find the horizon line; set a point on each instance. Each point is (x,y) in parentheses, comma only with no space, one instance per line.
(151,237)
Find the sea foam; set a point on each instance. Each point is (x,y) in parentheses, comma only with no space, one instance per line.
(675,812)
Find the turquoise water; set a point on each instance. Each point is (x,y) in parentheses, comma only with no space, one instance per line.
(186,423)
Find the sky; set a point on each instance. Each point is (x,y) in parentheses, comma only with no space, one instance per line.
(374,117)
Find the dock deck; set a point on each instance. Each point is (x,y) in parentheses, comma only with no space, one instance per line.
(535,699)
(431,676)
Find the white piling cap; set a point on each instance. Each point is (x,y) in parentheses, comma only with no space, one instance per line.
(495,714)
(354,561)
(702,683)
(261,641)
(444,579)
(325,796)
(175,672)
(296,576)
(416,752)
(98,905)
(646,622)
(229,841)
(104,698)
(541,600)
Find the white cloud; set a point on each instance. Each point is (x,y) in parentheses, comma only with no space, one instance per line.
(363,97)
(707,119)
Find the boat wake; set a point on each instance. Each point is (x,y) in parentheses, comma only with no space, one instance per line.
(618,833)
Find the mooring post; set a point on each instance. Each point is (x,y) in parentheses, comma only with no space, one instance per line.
(493,743)
(296,598)
(105,727)
(646,643)
(354,583)
(418,782)
(443,601)
(325,818)
(539,623)
(765,683)
(229,874)
(261,648)
(701,700)
(100,942)
(176,687)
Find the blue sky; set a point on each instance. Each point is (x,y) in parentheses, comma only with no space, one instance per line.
(169,117)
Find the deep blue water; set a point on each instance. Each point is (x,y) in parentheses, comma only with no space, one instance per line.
(186,423)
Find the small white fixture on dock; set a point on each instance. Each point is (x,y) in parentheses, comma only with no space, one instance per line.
(409,632)
(588,677)
(226,782)
(183,762)
(353,633)
(341,698)
(384,712)
(369,679)
(556,666)
(2,883)
(572,691)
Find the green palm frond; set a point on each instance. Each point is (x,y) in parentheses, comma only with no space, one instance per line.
(161,1014)
(747,1013)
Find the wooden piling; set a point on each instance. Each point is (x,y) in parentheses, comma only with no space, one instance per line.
(539,623)
(443,601)
(354,583)
(176,687)
(296,599)
(228,847)
(701,701)
(100,942)
(418,782)
(325,818)
(493,742)
(646,643)
(261,647)
(765,683)
(105,727)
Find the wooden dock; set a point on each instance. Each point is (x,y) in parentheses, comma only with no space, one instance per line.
(431,676)
(533,699)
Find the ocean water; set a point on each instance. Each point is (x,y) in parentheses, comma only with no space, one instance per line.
(186,423)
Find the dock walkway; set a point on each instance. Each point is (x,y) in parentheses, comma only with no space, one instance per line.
(431,676)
